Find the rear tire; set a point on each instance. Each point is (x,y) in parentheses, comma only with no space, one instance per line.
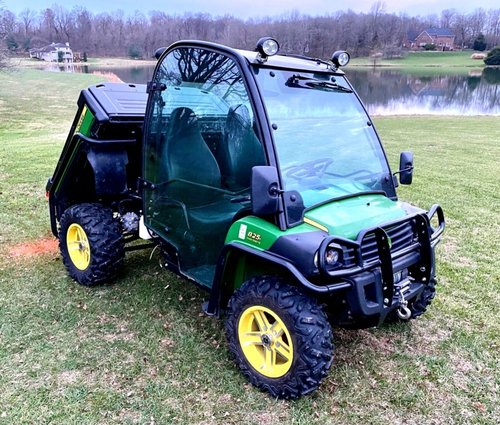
(280,338)
(91,243)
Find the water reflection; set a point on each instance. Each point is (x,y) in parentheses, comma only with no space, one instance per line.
(132,74)
(389,92)
(384,92)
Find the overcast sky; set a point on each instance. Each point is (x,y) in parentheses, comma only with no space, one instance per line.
(256,8)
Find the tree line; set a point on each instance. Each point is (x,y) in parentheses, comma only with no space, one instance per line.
(140,34)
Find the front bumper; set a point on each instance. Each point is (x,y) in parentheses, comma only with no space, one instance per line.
(389,278)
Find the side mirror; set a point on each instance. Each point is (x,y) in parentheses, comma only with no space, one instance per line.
(406,168)
(265,192)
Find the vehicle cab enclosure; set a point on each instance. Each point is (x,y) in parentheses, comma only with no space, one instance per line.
(269,164)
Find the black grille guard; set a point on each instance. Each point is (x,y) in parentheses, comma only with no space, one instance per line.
(436,232)
(423,244)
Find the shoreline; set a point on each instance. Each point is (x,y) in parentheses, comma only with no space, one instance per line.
(30,63)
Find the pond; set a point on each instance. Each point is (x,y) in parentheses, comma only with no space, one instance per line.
(388,92)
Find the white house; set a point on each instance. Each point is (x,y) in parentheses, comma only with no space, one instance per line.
(50,53)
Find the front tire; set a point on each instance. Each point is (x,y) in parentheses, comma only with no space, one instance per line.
(280,338)
(91,243)
(420,305)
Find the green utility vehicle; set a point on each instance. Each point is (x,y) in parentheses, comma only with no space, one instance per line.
(262,179)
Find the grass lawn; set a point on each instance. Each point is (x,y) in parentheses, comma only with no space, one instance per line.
(417,61)
(140,351)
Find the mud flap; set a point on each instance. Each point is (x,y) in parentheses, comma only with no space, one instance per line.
(109,166)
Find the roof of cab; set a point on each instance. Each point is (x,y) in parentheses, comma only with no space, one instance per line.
(277,61)
(289,62)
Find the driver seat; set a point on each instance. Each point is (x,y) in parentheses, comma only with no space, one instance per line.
(193,203)
(240,150)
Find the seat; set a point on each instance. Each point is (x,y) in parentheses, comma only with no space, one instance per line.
(191,178)
(186,155)
(240,150)
(191,203)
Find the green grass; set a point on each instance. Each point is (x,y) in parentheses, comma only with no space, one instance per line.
(421,61)
(140,351)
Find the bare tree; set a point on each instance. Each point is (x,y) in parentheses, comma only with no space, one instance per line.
(115,33)
(462,30)
(5,28)
(447,17)
(63,22)
(28,17)
(493,28)
(377,10)
(83,26)
(28,20)
(48,31)
(477,22)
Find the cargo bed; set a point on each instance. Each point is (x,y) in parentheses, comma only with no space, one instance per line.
(100,159)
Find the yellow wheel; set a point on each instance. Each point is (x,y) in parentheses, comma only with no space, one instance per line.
(78,246)
(91,243)
(280,337)
(265,341)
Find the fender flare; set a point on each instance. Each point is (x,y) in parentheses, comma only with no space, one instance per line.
(109,164)
(219,294)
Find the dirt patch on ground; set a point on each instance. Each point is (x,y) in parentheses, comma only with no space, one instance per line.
(46,246)
(69,377)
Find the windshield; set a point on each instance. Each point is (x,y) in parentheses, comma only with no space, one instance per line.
(326,146)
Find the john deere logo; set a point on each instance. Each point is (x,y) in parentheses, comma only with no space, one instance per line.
(390,242)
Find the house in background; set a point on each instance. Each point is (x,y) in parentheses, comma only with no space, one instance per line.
(442,38)
(50,53)
(409,41)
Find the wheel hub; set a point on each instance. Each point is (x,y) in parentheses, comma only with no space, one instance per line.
(267,340)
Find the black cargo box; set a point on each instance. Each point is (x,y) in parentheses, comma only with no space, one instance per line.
(115,106)
(100,159)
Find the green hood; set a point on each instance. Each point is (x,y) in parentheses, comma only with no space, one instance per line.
(348,217)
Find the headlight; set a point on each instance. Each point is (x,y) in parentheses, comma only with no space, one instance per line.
(330,256)
(333,256)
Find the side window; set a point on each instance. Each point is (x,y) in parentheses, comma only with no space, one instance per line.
(202,126)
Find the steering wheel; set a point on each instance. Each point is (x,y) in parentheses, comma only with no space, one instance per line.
(361,173)
(314,168)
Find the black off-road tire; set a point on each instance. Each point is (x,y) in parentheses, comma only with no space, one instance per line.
(307,325)
(419,306)
(105,239)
